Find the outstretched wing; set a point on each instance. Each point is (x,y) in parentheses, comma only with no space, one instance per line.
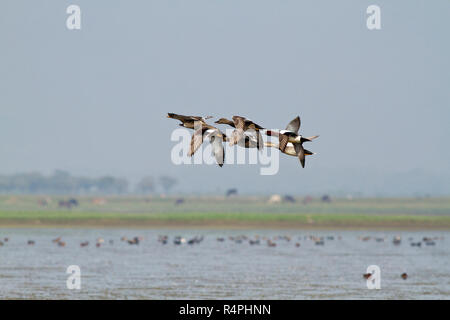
(239,122)
(282,141)
(300,153)
(196,141)
(217,149)
(294,125)
(260,141)
(178,117)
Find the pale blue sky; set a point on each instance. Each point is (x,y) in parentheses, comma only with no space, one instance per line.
(94,101)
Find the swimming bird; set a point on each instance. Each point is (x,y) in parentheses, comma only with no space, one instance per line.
(30,242)
(270,243)
(189,121)
(179,240)
(242,125)
(404,276)
(135,240)
(163,239)
(84,244)
(56,240)
(290,134)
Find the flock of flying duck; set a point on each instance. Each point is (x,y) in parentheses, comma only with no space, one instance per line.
(247,134)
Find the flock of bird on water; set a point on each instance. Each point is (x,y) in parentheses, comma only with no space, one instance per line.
(247,134)
(255,240)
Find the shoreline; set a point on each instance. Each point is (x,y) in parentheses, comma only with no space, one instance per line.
(221,224)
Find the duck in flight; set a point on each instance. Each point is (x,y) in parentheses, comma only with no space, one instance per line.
(242,126)
(291,135)
(189,121)
(202,131)
(248,140)
(216,138)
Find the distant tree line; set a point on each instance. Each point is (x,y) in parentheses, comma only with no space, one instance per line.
(61,182)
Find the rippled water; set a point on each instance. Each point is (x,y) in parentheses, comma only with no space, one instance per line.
(221,270)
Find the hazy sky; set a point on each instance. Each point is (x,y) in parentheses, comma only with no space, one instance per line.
(94,101)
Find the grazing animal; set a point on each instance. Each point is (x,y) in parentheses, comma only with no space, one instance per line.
(231,192)
(289,198)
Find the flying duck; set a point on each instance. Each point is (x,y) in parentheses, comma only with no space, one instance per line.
(216,138)
(290,134)
(243,124)
(189,121)
(248,141)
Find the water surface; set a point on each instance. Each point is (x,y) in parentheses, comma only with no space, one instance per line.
(222,270)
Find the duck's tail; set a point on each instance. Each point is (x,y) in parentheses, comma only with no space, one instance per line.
(307,139)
